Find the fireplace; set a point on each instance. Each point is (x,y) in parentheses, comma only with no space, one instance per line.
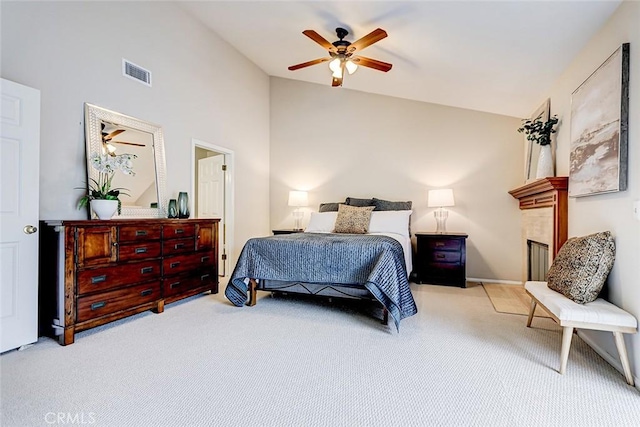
(543,204)
(537,261)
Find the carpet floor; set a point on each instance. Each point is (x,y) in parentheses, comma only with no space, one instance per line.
(511,299)
(292,361)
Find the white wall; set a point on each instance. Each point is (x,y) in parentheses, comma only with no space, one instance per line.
(202,88)
(335,142)
(611,211)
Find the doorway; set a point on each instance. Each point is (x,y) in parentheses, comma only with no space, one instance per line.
(212,187)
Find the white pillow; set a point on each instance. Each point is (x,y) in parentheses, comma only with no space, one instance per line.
(321,222)
(390,222)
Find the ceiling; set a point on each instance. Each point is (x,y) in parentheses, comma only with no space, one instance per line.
(494,56)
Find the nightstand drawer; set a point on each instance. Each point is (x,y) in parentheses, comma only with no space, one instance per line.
(444,244)
(445,257)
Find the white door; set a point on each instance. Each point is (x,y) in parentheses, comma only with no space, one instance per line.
(211,198)
(19,196)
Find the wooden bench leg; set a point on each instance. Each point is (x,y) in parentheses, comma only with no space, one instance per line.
(252,292)
(622,351)
(567,334)
(531,310)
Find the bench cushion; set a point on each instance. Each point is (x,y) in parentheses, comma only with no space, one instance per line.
(582,266)
(598,312)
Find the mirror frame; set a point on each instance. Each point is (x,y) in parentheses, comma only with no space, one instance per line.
(93,116)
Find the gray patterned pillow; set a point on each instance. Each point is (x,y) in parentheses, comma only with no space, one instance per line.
(582,266)
(354,201)
(328,207)
(386,205)
(353,219)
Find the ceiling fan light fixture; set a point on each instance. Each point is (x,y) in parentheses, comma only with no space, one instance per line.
(351,67)
(337,74)
(335,65)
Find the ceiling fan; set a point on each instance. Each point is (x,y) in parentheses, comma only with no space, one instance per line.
(342,54)
(107,140)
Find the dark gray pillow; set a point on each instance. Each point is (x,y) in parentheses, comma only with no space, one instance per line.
(329,207)
(386,205)
(353,201)
(582,266)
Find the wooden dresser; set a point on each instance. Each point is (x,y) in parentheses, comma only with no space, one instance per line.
(95,272)
(441,259)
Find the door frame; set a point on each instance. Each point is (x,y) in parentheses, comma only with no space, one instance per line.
(226,236)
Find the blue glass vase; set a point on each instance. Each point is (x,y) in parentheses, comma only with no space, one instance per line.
(172,210)
(183,205)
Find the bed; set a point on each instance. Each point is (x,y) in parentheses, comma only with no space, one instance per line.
(372,265)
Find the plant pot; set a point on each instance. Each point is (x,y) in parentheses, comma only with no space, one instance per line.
(545,162)
(104,209)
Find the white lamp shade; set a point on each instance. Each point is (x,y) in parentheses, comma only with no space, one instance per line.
(298,198)
(440,198)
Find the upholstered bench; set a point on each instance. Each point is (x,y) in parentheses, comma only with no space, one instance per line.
(598,315)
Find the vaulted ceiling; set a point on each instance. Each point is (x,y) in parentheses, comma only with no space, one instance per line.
(494,56)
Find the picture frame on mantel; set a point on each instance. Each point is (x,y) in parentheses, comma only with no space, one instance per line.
(599,129)
(532,150)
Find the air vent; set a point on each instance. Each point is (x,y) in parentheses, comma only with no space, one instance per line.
(135,72)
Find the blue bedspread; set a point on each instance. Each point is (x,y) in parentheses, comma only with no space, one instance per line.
(375,262)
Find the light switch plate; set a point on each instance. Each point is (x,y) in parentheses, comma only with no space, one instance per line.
(636,210)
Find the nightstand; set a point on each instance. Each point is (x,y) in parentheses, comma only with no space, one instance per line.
(441,259)
(286,231)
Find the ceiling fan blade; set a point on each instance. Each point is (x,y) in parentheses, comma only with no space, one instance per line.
(309,63)
(371,63)
(371,38)
(320,40)
(128,143)
(112,134)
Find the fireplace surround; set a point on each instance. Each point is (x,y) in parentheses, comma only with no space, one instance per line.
(543,203)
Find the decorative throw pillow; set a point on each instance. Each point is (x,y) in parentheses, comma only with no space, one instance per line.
(353,201)
(328,207)
(386,205)
(582,266)
(353,220)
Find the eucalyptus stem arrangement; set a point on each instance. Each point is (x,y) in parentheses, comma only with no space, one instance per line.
(539,131)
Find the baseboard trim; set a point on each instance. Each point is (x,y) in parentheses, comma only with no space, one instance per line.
(612,360)
(502,282)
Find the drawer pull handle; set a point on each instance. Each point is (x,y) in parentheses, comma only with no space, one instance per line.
(97,305)
(178,246)
(439,243)
(174,285)
(204,259)
(146,270)
(204,277)
(98,279)
(179,231)
(174,264)
(440,256)
(146,292)
(141,232)
(141,250)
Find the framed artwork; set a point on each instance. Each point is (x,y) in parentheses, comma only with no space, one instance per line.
(532,150)
(599,129)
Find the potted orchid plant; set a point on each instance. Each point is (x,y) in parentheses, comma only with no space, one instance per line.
(100,189)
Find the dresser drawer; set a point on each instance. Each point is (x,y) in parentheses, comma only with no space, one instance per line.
(138,233)
(100,279)
(179,284)
(93,306)
(176,231)
(445,257)
(444,244)
(178,246)
(139,250)
(183,263)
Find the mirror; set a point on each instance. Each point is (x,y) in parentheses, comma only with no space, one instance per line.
(533,150)
(108,132)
